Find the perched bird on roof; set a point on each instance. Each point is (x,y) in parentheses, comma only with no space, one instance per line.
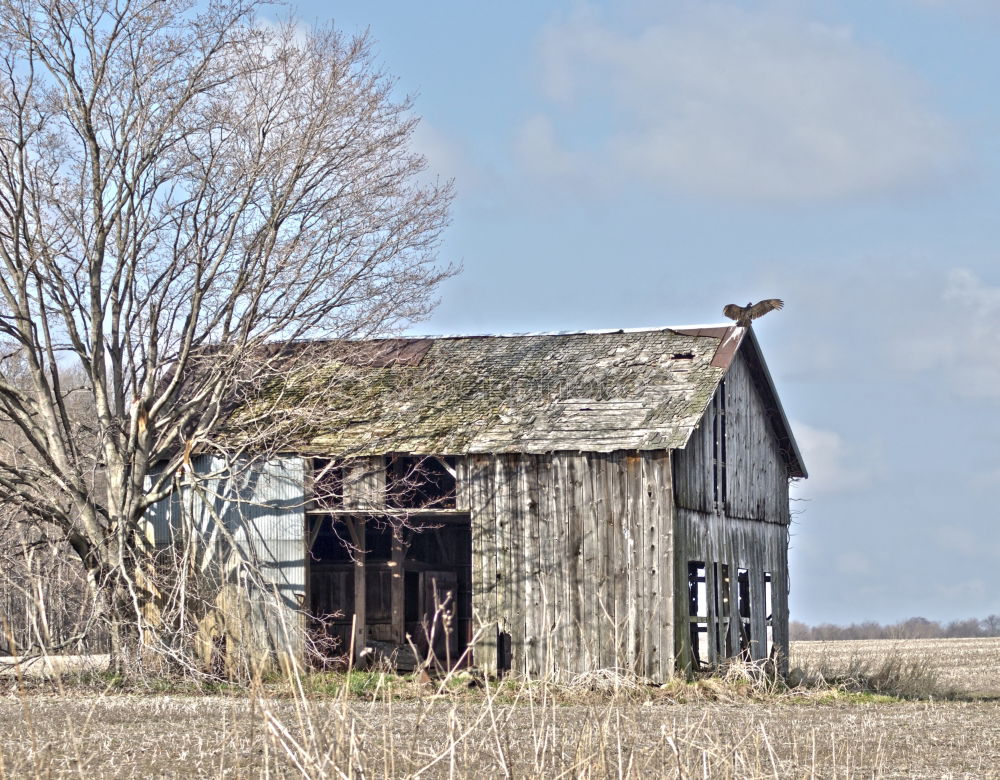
(744,314)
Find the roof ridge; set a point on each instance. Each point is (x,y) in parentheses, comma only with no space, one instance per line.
(586,332)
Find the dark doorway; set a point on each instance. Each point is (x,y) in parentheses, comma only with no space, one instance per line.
(397,585)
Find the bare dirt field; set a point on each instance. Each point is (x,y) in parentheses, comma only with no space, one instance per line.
(53,732)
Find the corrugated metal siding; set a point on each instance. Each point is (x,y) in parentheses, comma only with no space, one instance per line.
(160,514)
(250,518)
(270,530)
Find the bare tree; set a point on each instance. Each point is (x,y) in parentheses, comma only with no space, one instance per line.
(181,187)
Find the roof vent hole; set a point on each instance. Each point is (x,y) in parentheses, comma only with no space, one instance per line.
(684,356)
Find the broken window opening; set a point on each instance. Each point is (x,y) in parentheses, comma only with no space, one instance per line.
(768,615)
(328,479)
(698,614)
(719,480)
(421,482)
(743,605)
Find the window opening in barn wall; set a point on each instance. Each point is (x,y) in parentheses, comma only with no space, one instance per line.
(420,482)
(768,615)
(327,483)
(719,479)
(698,614)
(743,604)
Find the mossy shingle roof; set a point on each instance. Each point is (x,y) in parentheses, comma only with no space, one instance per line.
(591,391)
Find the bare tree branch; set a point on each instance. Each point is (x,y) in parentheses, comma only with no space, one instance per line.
(181,187)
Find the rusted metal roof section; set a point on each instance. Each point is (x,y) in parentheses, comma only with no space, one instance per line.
(730,342)
(594,392)
(382,353)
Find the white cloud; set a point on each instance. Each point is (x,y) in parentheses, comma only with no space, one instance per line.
(969,592)
(721,101)
(446,157)
(954,336)
(969,543)
(834,467)
(539,151)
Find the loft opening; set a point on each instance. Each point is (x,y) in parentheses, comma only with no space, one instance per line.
(327,483)
(418,482)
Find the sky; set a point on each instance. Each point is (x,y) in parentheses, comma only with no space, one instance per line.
(641,163)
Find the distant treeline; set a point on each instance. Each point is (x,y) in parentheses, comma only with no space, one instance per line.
(914,628)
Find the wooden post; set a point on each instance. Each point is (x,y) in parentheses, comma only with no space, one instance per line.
(397,593)
(356,527)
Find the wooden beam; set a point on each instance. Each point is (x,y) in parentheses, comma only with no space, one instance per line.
(356,528)
(398,590)
(444,464)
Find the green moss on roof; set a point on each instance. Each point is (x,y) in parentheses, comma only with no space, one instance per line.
(535,393)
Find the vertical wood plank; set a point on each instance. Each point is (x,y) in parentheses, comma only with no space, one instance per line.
(574,563)
(603,630)
(500,493)
(534,618)
(591,563)
(483,548)
(619,539)
(666,565)
(549,563)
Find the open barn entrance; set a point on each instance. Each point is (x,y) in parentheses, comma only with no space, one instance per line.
(382,588)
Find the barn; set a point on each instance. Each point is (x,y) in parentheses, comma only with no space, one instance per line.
(544,503)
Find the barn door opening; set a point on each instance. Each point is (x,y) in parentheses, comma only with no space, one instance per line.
(438,566)
(399,587)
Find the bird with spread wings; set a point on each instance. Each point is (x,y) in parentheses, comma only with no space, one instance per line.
(744,314)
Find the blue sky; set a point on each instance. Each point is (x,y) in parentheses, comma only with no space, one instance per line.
(644,163)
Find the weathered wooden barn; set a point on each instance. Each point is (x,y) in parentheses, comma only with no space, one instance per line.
(548,503)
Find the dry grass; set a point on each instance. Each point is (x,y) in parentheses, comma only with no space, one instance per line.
(167,736)
(605,725)
(970,665)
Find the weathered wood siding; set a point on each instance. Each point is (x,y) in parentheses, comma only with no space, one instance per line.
(756,473)
(572,558)
(744,525)
(741,544)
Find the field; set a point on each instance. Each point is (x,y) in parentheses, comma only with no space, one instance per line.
(738,728)
(971,665)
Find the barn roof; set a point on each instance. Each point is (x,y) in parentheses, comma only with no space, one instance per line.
(596,391)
